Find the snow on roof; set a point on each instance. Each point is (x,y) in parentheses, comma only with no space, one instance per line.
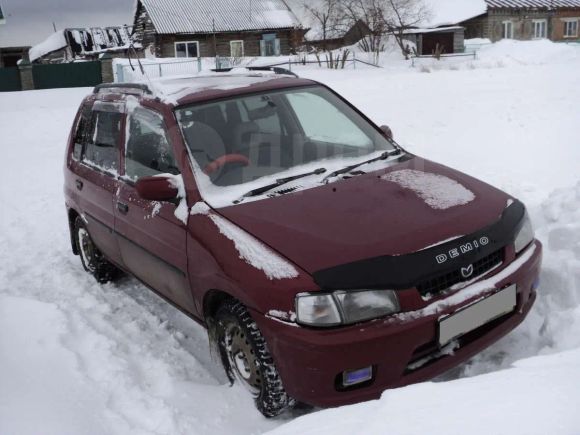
(83,41)
(549,4)
(54,42)
(450,12)
(205,16)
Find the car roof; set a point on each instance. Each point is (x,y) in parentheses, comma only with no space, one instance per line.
(184,90)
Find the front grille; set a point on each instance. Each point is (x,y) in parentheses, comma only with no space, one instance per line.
(439,283)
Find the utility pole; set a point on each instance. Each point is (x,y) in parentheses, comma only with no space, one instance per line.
(215,44)
(54,26)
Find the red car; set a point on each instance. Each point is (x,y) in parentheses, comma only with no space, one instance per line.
(327,263)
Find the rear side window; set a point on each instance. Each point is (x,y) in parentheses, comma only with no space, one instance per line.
(148,151)
(81,132)
(102,145)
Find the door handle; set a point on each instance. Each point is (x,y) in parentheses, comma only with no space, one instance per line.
(122,207)
(79,184)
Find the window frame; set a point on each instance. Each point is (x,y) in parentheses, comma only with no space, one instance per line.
(123,171)
(104,107)
(241,41)
(85,114)
(567,23)
(505,25)
(187,56)
(539,22)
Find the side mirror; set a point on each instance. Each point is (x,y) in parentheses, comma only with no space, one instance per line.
(156,188)
(387,132)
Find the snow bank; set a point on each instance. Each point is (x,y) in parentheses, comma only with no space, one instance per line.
(54,42)
(537,52)
(536,396)
(438,191)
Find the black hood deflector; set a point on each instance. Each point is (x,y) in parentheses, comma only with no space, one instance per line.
(406,271)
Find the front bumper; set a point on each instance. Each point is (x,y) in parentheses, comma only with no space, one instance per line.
(402,349)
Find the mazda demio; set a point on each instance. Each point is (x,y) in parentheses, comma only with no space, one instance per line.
(327,263)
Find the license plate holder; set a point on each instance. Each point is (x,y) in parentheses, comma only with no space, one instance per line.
(478,314)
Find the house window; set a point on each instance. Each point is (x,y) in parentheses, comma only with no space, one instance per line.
(571,28)
(540,29)
(508,30)
(269,45)
(187,49)
(237,48)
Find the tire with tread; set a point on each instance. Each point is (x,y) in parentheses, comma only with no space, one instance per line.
(269,394)
(92,259)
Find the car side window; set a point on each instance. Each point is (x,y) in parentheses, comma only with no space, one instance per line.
(102,144)
(147,149)
(81,132)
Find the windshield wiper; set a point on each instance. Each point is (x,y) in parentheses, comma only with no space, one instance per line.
(383,156)
(279,182)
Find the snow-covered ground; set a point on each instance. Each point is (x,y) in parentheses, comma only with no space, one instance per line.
(80,358)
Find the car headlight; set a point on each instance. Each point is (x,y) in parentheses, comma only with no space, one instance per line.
(525,235)
(345,307)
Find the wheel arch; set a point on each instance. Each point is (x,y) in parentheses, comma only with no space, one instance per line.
(72,216)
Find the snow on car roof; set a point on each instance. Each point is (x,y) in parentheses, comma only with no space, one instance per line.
(173,89)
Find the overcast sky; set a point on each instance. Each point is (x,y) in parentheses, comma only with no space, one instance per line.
(30,21)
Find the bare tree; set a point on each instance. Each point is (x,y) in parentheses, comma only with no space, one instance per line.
(386,17)
(328,18)
(367,17)
(403,15)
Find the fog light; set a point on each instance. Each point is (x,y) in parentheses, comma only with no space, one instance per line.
(354,377)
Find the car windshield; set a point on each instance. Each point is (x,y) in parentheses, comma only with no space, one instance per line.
(255,139)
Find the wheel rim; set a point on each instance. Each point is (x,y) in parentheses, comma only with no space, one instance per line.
(242,359)
(87,249)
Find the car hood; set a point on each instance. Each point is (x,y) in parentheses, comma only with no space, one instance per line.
(395,211)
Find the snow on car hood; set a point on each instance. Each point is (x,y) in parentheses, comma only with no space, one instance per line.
(394,211)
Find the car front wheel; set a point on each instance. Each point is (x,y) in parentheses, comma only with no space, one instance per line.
(92,259)
(247,360)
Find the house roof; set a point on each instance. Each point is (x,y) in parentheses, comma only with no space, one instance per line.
(451,12)
(207,16)
(549,4)
(83,41)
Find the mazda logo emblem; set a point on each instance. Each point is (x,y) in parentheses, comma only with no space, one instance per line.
(466,272)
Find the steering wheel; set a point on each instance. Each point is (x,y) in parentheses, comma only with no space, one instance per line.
(226,159)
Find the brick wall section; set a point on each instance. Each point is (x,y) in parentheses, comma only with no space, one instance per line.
(491,25)
(558,24)
(107,69)
(26,77)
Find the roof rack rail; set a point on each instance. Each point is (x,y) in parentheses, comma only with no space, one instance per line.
(274,69)
(123,86)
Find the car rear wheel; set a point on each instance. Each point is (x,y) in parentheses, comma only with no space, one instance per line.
(247,360)
(92,259)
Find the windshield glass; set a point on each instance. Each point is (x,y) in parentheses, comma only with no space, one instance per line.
(248,140)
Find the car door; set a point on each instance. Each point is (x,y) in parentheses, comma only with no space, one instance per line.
(95,164)
(151,239)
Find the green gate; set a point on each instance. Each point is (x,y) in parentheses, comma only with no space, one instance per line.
(66,75)
(9,79)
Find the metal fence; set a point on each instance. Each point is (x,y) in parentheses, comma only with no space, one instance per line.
(128,73)
(414,59)
(66,75)
(9,79)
